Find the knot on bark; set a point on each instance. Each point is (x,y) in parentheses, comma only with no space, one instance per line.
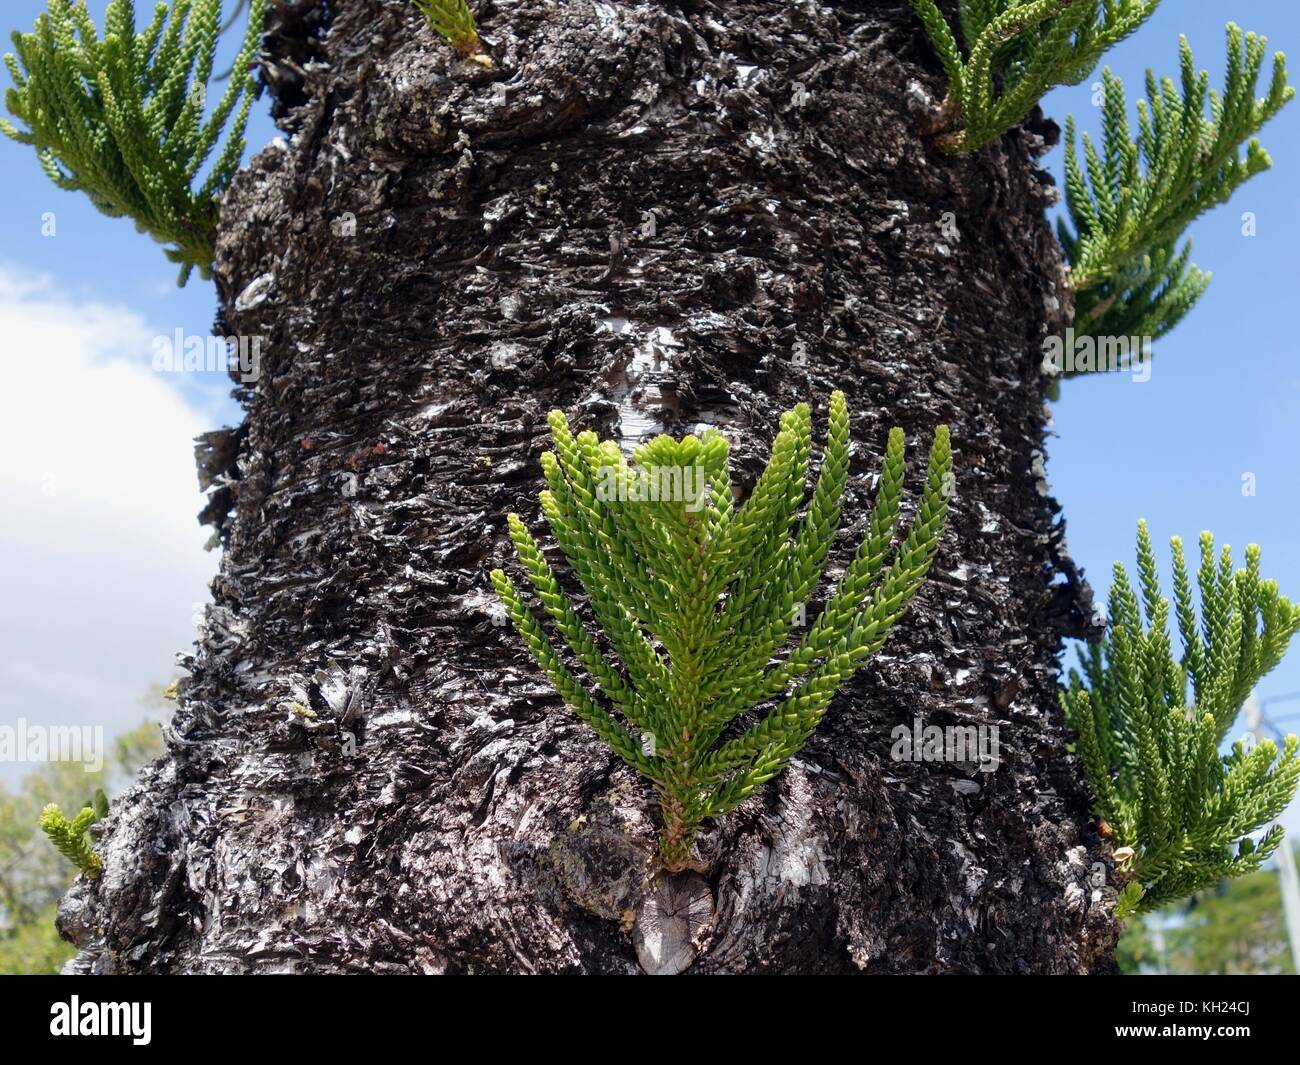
(672,922)
(604,860)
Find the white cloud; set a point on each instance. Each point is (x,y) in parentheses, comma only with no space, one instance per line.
(101,558)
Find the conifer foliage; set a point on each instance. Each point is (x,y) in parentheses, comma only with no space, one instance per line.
(122,118)
(71,837)
(1014,52)
(453,21)
(1130,201)
(1182,814)
(695,596)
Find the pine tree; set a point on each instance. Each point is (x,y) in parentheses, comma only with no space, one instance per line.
(1180,813)
(1130,202)
(70,837)
(1016,51)
(122,118)
(695,596)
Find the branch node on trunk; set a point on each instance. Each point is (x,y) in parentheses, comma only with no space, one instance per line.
(671,922)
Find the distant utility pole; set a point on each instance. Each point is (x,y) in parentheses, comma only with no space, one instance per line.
(1286,871)
(1157,926)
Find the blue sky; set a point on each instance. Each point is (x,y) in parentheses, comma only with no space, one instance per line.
(1220,403)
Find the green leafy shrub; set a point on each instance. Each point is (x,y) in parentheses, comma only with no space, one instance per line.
(1182,814)
(453,21)
(1131,202)
(1015,51)
(695,596)
(122,118)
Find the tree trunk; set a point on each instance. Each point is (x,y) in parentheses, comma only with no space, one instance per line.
(656,217)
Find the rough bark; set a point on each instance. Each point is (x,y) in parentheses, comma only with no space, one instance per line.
(436,809)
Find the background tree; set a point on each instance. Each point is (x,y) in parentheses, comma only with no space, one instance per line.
(1236,929)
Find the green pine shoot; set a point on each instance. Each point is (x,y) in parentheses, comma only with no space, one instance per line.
(122,118)
(71,838)
(1182,814)
(1014,52)
(453,21)
(1131,201)
(695,596)
(1147,297)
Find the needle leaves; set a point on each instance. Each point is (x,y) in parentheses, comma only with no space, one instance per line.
(693,597)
